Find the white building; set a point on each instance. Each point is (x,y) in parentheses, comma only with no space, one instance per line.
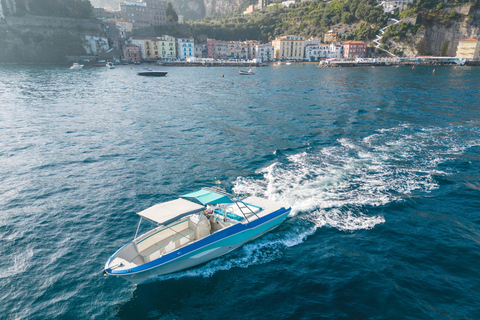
(94,44)
(335,50)
(186,48)
(316,51)
(264,52)
(287,3)
(389,6)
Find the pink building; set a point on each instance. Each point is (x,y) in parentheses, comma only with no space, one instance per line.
(354,49)
(216,49)
(132,52)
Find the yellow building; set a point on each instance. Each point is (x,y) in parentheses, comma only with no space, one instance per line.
(167,48)
(469,49)
(156,48)
(151,48)
(289,47)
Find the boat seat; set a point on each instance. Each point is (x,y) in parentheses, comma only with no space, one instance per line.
(156,250)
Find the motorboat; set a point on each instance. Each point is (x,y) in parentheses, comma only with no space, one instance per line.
(249,72)
(76,66)
(110,65)
(152,73)
(191,230)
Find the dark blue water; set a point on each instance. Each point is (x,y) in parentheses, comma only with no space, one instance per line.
(380,165)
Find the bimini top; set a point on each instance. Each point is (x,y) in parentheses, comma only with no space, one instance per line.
(207,197)
(167,212)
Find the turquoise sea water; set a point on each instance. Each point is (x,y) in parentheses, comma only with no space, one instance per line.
(380,166)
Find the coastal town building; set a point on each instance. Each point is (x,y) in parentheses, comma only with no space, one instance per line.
(335,50)
(315,52)
(389,5)
(289,47)
(237,50)
(216,49)
(264,52)
(156,48)
(201,50)
(167,48)
(354,49)
(132,52)
(144,14)
(287,3)
(256,7)
(333,35)
(186,48)
(95,44)
(469,49)
(251,47)
(124,25)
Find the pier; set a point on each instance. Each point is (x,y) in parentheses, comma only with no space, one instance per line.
(397,61)
(211,63)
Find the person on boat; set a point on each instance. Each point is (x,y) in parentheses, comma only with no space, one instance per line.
(209,210)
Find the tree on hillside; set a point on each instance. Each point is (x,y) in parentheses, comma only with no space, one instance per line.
(171,14)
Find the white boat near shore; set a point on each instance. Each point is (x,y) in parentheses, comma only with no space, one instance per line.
(76,66)
(192,230)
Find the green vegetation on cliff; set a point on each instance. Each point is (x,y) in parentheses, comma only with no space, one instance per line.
(308,19)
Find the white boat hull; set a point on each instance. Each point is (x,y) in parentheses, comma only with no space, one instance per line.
(204,253)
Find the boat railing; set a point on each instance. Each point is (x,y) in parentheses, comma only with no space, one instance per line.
(234,199)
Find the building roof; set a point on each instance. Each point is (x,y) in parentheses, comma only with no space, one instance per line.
(354,42)
(470,39)
(290,35)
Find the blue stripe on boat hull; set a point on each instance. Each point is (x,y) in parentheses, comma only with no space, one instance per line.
(203,250)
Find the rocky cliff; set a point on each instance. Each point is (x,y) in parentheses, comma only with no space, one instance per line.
(439,37)
(36,39)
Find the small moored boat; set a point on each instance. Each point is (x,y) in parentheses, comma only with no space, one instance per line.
(192,230)
(245,73)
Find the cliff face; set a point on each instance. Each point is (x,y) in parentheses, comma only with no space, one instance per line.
(442,39)
(222,6)
(36,39)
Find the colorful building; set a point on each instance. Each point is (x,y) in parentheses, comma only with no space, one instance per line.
(469,48)
(167,48)
(132,52)
(216,49)
(237,50)
(289,47)
(156,48)
(354,49)
(186,48)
